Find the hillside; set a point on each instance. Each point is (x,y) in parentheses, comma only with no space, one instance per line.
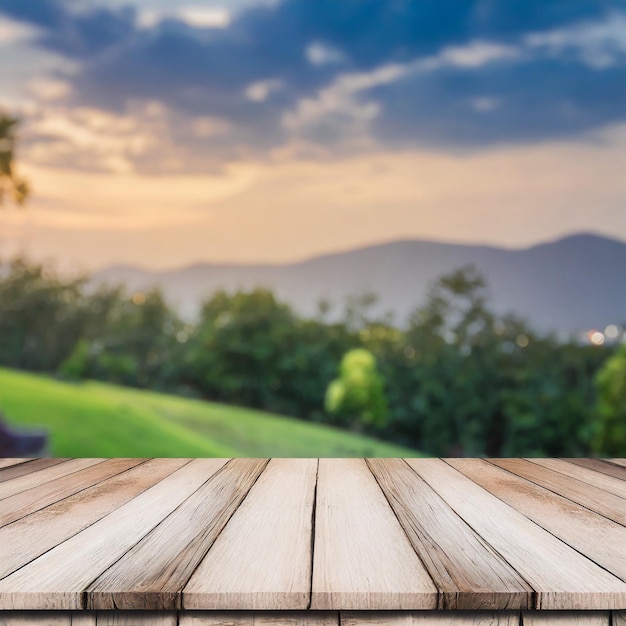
(98,420)
(569,285)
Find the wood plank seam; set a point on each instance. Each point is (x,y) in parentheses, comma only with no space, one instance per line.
(313,509)
(226,524)
(69,495)
(544,527)
(404,530)
(87,599)
(553,490)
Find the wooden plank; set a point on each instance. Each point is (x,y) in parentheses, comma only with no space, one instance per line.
(566,618)
(597,500)
(561,577)
(43,476)
(621,462)
(591,534)
(153,573)
(619,618)
(602,466)
(430,618)
(56,580)
(27,502)
(33,465)
(4,463)
(447,546)
(136,618)
(265,618)
(588,476)
(23,541)
(362,557)
(32,618)
(262,558)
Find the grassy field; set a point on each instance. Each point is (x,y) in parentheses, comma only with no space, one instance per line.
(99,420)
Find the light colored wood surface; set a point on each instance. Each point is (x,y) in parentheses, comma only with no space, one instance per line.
(135,618)
(619,618)
(602,466)
(430,618)
(44,476)
(362,557)
(57,579)
(591,497)
(262,558)
(584,474)
(245,535)
(41,496)
(447,546)
(25,540)
(250,618)
(33,465)
(151,575)
(621,462)
(10,462)
(567,618)
(562,578)
(591,534)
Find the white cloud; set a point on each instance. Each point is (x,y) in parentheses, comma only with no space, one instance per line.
(259,91)
(600,44)
(198,16)
(209,126)
(485,104)
(48,89)
(12,32)
(321,54)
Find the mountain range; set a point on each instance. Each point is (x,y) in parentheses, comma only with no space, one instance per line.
(570,285)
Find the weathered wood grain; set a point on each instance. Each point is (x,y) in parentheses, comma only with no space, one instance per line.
(152,574)
(598,500)
(562,578)
(57,578)
(27,502)
(621,462)
(618,618)
(35,618)
(588,476)
(135,618)
(591,534)
(430,618)
(10,462)
(26,539)
(362,557)
(254,618)
(447,546)
(44,476)
(33,465)
(566,618)
(262,558)
(602,466)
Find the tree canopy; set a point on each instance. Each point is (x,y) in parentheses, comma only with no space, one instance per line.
(11,184)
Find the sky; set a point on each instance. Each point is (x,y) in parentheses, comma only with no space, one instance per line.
(161,133)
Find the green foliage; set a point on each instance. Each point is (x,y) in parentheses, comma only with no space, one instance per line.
(10,182)
(458,380)
(610,433)
(101,420)
(357,396)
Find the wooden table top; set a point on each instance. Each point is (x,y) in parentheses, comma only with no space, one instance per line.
(312,534)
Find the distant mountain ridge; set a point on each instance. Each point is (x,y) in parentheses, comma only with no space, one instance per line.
(570,285)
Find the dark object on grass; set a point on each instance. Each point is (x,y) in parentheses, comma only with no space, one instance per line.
(18,443)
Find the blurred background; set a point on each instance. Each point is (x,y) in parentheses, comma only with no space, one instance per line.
(312,228)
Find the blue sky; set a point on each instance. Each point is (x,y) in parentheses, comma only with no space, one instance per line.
(344,121)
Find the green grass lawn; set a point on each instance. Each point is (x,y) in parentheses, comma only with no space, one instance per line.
(100,420)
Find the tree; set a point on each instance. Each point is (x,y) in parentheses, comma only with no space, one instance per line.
(610,436)
(10,182)
(357,396)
